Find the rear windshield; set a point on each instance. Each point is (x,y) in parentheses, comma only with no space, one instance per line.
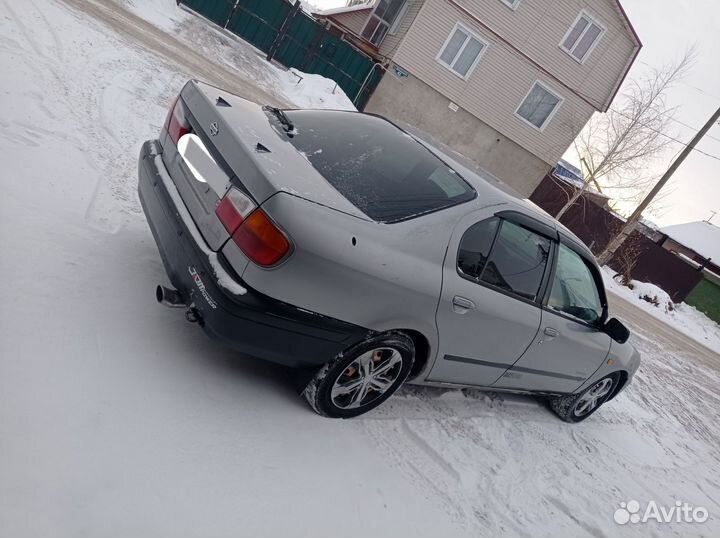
(383,171)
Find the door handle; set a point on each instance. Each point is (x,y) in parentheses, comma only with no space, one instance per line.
(461,305)
(552,333)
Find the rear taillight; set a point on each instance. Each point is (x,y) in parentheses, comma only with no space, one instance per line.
(234,208)
(260,240)
(251,229)
(176,123)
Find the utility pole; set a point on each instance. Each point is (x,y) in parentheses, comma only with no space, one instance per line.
(607,254)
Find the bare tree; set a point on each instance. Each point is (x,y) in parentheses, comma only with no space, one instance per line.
(618,240)
(619,147)
(626,259)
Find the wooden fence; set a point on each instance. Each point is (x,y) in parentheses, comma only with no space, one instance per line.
(596,225)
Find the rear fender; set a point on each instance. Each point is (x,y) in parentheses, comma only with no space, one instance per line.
(381,276)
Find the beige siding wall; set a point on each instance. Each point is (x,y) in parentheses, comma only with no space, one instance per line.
(503,77)
(353,20)
(410,100)
(391,41)
(537,27)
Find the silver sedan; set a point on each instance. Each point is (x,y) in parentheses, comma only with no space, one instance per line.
(340,244)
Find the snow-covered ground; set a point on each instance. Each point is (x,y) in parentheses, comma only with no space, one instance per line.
(118,418)
(683,317)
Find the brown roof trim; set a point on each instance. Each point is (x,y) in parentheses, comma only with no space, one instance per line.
(629,23)
(356,40)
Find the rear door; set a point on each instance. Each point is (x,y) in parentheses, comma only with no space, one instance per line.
(488,314)
(569,347)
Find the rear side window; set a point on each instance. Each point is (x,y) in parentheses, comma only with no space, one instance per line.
(380,169)
(475,247)
(515,262)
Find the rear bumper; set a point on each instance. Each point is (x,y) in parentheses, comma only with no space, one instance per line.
(252,323)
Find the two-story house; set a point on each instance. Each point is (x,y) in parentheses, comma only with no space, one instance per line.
(508,83)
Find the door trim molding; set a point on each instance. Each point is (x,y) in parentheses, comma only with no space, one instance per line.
(504,366)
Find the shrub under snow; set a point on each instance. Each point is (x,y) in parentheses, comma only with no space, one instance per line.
(652,294)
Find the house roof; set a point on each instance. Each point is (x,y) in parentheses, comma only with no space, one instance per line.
(627,22)
(345,9)
(701,236)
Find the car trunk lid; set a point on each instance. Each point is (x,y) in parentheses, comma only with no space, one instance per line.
(231,141)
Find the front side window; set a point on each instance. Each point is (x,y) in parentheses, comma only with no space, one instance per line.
(539,106)
(574,291)
(462,51)
(506,256)
(381,20)
(582,37)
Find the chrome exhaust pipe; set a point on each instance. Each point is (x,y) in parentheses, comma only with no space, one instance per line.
(169,297)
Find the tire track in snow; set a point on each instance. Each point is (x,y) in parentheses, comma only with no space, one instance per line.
(93,89)
(58,49)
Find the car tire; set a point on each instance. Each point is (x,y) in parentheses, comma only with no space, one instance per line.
(361,377)
(578,407)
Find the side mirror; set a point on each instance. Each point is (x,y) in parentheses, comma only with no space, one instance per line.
(616,330)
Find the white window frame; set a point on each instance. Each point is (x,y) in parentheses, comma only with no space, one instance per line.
(512,4)
(554,93)
(399,19)
(389,26)
(362,32)
(470,33)
(593,20)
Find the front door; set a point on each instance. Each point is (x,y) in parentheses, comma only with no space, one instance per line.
(569,347)
(487,315)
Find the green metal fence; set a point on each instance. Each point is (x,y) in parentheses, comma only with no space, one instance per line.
(294,39)
(706,298)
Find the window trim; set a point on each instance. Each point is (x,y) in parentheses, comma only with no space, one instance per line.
(382,21)
(362,32)
(395,26)
(470,33)
(544,86)
(593,20)
(512,4)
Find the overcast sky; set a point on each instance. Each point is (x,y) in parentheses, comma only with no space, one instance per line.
(666,28)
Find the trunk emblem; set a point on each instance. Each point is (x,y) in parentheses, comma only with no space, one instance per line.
(214,129)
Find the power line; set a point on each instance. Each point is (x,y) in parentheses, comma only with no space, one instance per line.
(618,240)
(685,83)
(668,136)
(694,129)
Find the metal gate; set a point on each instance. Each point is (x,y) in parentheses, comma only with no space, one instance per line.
(294,39)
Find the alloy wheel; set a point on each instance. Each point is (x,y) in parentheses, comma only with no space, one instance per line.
(366,378)
(593,397)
